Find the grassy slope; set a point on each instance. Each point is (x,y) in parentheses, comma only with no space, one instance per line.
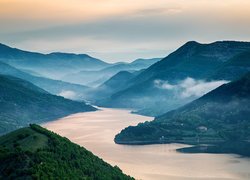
(37,153)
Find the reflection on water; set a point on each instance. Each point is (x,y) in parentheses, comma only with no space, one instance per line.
(241,148)
(96,130)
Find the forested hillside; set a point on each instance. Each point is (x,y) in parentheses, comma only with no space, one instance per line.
(36,153)
(22,103)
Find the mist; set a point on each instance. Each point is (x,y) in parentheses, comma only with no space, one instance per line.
(189,87)
(68,94)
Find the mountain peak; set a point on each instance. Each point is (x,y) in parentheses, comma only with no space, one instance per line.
(217,43)
(192,43)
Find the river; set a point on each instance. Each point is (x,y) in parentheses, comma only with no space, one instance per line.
(96,130)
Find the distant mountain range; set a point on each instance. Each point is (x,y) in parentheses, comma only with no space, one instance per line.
(74,68)
(164,85)
(23,103)
(111,86)
(221,115)
(53,86)
(36,153)
(154,91)
(96,78)
(53,65)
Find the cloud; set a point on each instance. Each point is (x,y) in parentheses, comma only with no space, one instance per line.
(198,88)
(163,84)
(158,11)
(68,94)
(108,28)
(189,87)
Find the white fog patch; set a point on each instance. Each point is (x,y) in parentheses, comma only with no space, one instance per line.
(189,87)
(163,84)
(198,88)
(68,94)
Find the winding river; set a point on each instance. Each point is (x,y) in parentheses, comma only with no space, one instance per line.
(96,130)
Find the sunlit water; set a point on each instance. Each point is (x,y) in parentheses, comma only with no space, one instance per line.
(96,130)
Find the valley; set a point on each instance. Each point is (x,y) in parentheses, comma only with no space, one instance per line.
(194,107)
(125,90)
(96,130)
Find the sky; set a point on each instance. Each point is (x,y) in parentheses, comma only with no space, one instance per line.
(120,30)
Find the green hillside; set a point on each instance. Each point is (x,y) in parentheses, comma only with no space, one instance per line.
(23,103)
(219,116)
(36,153)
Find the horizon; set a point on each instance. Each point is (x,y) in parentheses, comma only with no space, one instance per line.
(129,61)
(116,31)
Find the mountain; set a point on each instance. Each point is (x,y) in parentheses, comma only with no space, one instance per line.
(222,115)
(154,90)
(96,78)
(234,68)
(144,63)
(36,153)
(116,82)
(137,64)
(53,65)
(23,103)
(53,86)
(112,85)
(195,60)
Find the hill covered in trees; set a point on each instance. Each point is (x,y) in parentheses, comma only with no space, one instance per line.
(222,115)
(36,153)
(23,103)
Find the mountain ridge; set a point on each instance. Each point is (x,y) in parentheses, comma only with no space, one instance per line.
(44,63)
(23,103)
(100,76)
(50,85)
(219,116)
(192,60)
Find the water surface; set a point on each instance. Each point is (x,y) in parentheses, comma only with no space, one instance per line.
(96,130)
